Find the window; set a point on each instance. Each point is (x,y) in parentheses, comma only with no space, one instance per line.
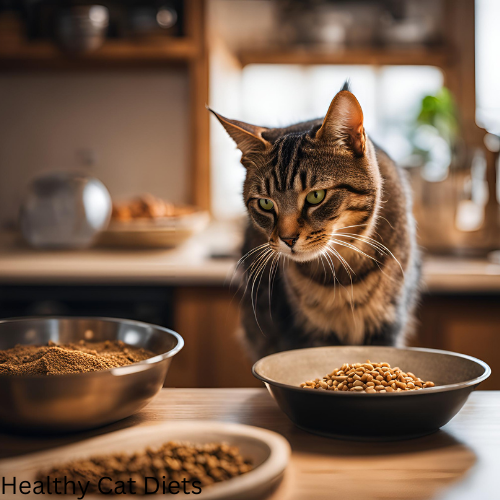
(279,95)
(487,67)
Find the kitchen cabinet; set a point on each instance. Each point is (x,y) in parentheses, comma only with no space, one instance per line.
(469,324)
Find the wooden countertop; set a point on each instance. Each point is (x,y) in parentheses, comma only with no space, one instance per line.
(459,462)
(191,264)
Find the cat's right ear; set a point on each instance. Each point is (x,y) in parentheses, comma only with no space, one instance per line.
(247,137)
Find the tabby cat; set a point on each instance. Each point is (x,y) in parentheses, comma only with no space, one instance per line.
(329,255)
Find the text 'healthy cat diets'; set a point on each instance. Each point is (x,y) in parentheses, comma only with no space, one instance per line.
(369,378)
(172,468)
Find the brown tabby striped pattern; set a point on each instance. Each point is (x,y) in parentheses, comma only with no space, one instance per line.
(343,271)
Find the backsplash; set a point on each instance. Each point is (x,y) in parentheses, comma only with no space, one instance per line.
(129,129)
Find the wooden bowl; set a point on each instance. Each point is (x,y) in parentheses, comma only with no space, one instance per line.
(164,232)
(268,451)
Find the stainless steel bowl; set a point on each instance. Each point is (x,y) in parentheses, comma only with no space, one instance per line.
(64,210)
(63,403)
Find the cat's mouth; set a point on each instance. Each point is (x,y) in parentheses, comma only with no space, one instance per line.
(301,254)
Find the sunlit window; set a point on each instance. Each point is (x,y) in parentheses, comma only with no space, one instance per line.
(279,95)
(487,67)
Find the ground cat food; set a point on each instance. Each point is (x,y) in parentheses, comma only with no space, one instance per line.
(368,377)
(55,359)
(172,468)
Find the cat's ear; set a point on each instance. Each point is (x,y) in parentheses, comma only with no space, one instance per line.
(247,137)
(343,123)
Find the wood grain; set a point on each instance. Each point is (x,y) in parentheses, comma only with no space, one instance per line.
(199,116)
(208,320)
(121,54)
(466,324)
(458,462)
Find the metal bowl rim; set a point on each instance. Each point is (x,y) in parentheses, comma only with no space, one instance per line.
(113,371)
(427,390)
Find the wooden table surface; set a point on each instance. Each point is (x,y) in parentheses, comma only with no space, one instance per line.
(459,462)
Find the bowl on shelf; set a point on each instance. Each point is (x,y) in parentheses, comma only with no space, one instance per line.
(74,402)
(165,232)
(384,416)
(148,221)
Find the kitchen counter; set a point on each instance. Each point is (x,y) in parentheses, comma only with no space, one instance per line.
(191,264)
(457,463)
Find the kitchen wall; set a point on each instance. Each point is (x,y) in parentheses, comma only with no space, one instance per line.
(130,129)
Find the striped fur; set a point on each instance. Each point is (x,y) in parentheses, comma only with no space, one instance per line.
(342,281)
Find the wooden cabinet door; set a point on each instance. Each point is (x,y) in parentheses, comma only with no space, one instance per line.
(208,320)
(465,324)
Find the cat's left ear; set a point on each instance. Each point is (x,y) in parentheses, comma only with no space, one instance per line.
(343,123)
(247,137)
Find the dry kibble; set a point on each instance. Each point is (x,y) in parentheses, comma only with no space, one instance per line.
(201,463)
(368,377)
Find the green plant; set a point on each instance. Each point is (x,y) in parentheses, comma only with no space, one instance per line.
(440,112)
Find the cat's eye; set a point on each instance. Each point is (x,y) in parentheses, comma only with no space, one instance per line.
(315,197)
(266,204)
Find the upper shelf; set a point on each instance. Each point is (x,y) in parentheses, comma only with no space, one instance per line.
(45,55)
(412,56)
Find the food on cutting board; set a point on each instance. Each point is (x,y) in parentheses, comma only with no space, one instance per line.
(63,359)
(368,377)
(148,206)
(171,468)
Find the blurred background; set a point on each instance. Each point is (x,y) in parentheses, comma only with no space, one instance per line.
(120,196)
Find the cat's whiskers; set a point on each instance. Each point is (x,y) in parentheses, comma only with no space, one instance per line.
(250,252)
(348,227)
(260,271)
(349,270)
(382,249)
(261,249)
(242,259)
(345,264)
(254,266)
(354,248)
(272,275)
(324,269)
(377,263)
(374,244)
(332,267)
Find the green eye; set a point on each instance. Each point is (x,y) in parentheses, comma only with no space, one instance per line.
(266,204)
(315,197)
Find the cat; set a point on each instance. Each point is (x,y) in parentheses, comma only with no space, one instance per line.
(330,254)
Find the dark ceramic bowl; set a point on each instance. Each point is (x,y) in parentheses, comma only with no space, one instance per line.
(385,416)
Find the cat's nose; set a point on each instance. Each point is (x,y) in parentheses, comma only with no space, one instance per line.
(289,240)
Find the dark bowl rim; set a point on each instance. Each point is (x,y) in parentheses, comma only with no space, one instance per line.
(118,371)
(427,390)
